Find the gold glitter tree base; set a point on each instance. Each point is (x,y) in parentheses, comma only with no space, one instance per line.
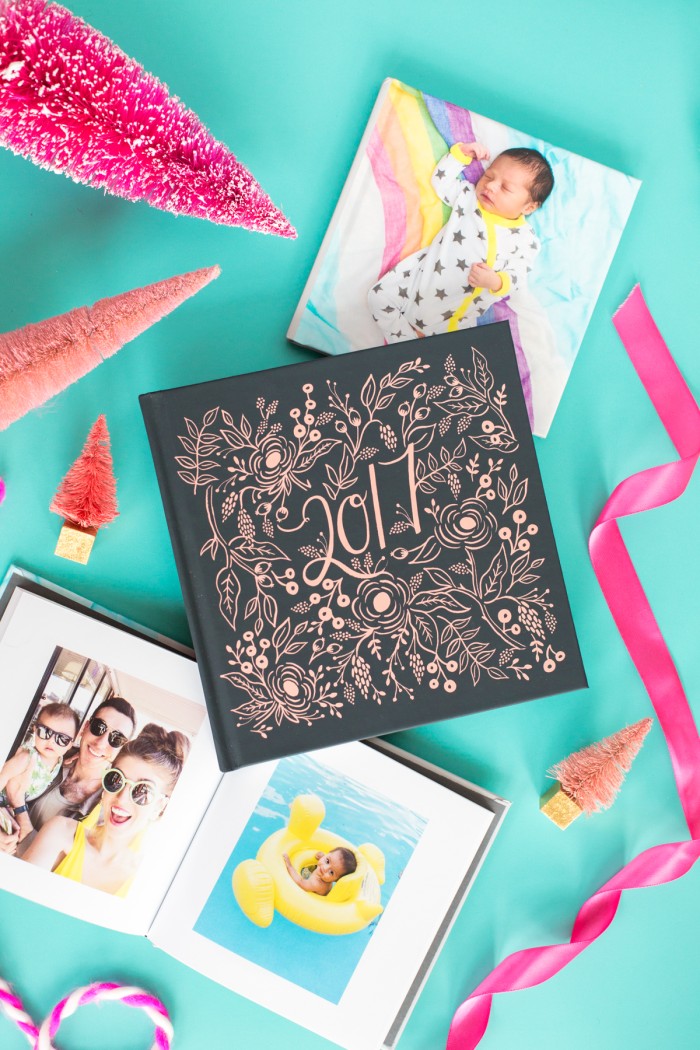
(75,542)
(559,807)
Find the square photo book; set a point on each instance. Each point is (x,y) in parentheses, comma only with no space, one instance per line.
(449,220)
(363,543)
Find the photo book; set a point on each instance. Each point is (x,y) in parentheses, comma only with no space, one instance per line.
(450,220)
(114,811)
(363,543)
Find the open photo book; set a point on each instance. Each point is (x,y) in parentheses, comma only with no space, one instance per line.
(113,810)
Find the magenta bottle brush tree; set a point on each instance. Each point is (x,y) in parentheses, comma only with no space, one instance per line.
(73,102)
(590,779)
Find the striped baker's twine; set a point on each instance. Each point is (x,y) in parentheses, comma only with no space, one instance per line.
(101,991)
(12,1007)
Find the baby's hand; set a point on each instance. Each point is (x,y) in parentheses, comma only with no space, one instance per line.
(482,276)
(9,833)
(476,149)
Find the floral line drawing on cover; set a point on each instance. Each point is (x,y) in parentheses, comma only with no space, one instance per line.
(371,615)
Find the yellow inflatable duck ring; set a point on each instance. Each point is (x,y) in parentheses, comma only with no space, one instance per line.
(263,886)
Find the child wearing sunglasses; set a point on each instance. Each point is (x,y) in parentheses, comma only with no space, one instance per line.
(29,772)
(77,788)
(135,793)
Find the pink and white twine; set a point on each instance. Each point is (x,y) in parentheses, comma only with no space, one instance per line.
(101,991)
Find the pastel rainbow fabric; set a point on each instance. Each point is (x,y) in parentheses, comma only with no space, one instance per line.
(640,632)
(388,210)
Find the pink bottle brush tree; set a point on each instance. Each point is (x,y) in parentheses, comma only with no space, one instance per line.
(87,496)
(73,102)
(588,780)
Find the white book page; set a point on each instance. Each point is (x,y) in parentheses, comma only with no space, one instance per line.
(278,966)
(38,634)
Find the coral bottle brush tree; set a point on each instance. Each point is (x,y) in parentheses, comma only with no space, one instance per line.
(87,496)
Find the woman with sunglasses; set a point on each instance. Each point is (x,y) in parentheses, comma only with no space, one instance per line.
(77,788)
(135,793)
(28,773)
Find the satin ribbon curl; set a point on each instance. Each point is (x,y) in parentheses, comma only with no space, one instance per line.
(642,636)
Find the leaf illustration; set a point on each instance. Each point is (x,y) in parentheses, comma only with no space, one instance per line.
(186,476)
(239,680)
(490,583)
(269,609)
(427,551)
(229,588)
(496,673)
(519,565)
(384,401)
(210,416)
(439,577)
(369,391)
(497,441)
(257,550)
(520,493)
(281,635)
(426,628)
(307,461)
(233,438)
(191,428)
(185,461)
(422,437)
(482,374)
(468,404)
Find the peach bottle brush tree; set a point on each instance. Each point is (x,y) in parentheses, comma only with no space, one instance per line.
(589,780)
(42,359)
(87,496)
(73,102)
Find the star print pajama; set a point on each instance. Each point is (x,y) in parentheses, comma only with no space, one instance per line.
(428,292)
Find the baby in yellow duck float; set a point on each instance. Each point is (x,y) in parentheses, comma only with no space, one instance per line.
(335,901)
(321,876)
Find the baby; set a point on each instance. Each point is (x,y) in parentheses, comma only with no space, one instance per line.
(329,867)
(480,256)
(36,763)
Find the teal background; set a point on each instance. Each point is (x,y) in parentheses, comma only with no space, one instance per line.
(289,86)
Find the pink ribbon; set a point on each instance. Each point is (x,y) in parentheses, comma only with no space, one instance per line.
(640,632)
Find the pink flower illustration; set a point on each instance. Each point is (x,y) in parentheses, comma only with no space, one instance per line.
(465,524)
(382,603)
(272,459)
(292,688)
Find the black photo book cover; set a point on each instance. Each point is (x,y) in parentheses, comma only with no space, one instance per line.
(363,543)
